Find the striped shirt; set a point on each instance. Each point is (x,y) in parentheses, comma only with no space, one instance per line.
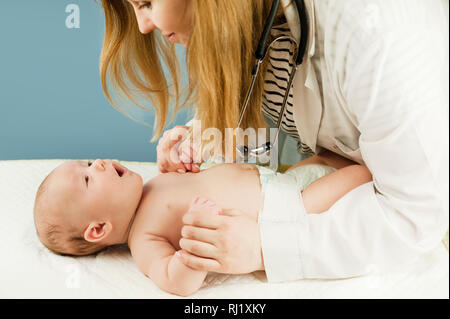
(275,85)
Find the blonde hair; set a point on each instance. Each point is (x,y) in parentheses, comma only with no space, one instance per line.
(219,57)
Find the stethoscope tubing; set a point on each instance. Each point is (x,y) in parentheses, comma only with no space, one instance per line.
(260,54)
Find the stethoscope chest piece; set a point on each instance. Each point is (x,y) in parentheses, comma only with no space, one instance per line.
(248,152)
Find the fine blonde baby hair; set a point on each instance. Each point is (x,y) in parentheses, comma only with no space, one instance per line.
(60,238)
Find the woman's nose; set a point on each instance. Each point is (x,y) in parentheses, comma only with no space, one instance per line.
(145,24)
(99,164)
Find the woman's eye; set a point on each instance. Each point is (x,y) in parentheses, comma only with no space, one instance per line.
(89,163)
(146,4)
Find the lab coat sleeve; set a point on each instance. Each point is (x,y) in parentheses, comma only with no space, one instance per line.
(394,89)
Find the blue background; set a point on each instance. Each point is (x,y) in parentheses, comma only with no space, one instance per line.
(52,104)
(51,101)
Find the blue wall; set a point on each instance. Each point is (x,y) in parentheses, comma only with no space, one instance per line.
(51,101)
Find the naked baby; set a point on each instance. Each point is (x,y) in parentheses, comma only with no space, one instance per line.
(83,207)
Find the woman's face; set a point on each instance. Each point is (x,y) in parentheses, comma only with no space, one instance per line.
(173,18)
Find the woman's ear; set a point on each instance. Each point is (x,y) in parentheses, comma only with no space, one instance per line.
(97,232)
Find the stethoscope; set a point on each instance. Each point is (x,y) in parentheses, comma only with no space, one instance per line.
(260,54)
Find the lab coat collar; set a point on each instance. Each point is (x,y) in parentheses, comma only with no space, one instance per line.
(307,100)
(290,11)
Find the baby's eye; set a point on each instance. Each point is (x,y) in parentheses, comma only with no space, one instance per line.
(89,163)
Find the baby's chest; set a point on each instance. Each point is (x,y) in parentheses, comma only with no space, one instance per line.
(162,216)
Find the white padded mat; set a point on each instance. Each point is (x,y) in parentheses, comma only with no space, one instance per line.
(28,270)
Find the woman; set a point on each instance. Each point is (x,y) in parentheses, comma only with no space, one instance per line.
(373,88)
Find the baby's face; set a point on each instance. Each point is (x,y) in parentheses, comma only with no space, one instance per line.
(97,190)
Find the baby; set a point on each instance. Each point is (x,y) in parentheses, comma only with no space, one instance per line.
(83,207)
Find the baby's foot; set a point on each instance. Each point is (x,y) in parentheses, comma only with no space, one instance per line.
(201,204)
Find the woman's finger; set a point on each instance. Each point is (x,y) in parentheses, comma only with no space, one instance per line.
(179,135)
(201,234)
(203,212)
(174,161)
(203,219)
(167,150)
(185,158)
(188,156)
(171,138)
(198,263)
(191,155)
(170,163)
(198,248)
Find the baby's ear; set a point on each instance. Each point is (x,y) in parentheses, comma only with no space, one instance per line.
(97,232)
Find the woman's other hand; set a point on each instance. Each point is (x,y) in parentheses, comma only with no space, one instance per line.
(223,241)
(176,152)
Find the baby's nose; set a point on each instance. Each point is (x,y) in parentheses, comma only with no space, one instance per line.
(99,164)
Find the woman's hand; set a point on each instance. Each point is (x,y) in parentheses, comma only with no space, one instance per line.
(223,241)
(176,152)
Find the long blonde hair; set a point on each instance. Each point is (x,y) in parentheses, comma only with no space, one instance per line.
(219,57)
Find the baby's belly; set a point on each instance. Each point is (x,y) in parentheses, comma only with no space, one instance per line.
(168,196)
(232,186)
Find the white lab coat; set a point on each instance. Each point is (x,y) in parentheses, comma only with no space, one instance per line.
(383,102)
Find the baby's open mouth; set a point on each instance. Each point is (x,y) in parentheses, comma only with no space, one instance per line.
(119,169)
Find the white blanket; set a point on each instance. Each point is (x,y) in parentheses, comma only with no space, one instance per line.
(29,270)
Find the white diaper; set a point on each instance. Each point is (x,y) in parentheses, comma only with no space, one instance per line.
(282,190)
(280,218)
(302,175)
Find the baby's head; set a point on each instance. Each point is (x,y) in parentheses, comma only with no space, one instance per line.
(83,207)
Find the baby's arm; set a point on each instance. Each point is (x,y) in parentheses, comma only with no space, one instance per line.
(156,258)
(320,195)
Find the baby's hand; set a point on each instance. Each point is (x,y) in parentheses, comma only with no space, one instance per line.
(200,204)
